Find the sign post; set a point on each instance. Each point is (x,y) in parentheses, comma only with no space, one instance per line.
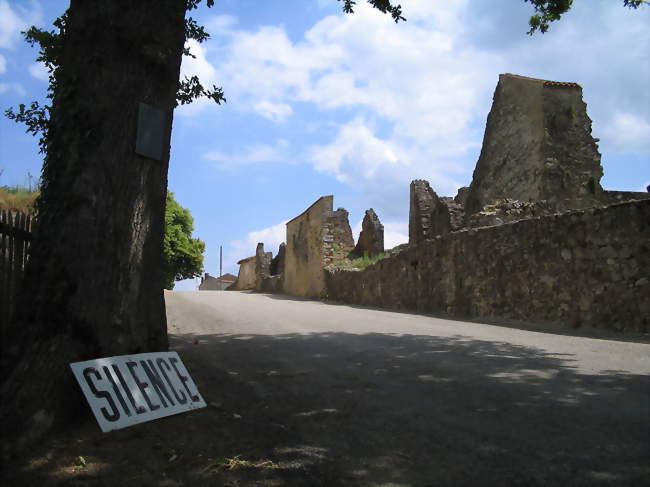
(130,389)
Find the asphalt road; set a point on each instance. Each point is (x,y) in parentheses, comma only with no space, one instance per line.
(341,395)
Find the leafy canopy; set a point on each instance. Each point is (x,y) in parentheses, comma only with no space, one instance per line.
(182,254)
(551,10)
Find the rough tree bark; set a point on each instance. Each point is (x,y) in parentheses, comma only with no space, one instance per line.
(95,286)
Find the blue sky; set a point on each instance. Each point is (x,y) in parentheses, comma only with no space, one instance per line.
(355,105)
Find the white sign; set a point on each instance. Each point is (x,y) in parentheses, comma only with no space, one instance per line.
(130,389)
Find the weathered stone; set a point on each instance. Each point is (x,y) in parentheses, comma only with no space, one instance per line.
(428,216)
(507,210)
(456,213)
(308,250)
(277,263)
(620,196)
(371,238)
(262,264)
(488,272)
(246,277)
(340,231)
(461,196)
(537,146)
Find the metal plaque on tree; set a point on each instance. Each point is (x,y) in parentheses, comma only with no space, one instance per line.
(130,389)
(151,132)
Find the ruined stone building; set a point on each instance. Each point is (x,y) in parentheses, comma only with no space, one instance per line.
(534,237)
(211,283)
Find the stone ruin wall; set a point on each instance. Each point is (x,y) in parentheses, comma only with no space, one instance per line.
(309,249)
(428,215)
(246,278)
(535,262)
(371,237)
(587,268)
(262,264)
(537,147)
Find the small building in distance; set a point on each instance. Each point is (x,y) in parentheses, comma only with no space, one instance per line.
(210,283)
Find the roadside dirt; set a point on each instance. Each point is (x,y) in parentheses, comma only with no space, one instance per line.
(370,409)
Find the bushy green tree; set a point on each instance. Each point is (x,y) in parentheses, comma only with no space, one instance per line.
(183,254)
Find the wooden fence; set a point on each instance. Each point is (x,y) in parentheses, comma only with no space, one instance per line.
(15,243)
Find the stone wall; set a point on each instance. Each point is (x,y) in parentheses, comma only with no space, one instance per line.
(211,283)
(262,264)
(339,228)
(309,249)
(620,196)
(371,237)
(428,215)
(246,278)
(586,268)
(277,263)
(537,146)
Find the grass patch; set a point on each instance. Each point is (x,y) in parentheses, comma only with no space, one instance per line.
(17,198)
(365,260)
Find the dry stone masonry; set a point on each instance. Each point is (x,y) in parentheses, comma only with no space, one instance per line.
(534,237)
(262,264)
(428,215)
(587,268)
(371,238)
(277,263)
(339,227)
(537,147)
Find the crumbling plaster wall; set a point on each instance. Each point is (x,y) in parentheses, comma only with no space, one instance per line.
(309,249)
(586,268)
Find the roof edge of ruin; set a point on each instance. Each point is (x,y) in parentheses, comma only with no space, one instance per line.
(545,82)
(310,207)
(246,259)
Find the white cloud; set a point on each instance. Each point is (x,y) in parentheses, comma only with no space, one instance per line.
(252,155)
(3,64)
(355,154)
(416,94)
(628,132)
(17,88)
(198,65)
(221,23)
(39,71)
(202,68)
(277,112)
(14,20)
(271,237)
(395,233)
(408,81)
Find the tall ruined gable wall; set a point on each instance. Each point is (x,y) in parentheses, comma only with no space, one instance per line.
(537,146)
(308,246)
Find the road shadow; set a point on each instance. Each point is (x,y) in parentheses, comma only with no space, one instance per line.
(339,409)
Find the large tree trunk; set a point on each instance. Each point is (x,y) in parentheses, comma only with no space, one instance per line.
(95,286)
